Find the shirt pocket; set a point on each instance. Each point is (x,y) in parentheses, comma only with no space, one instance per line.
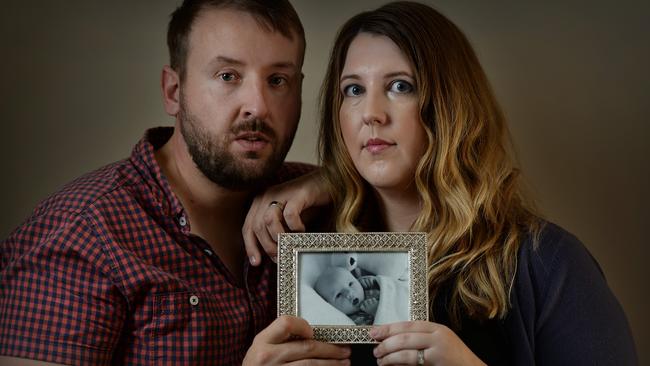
(181,329)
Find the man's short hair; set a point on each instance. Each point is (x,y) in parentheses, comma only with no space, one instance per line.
(274,15)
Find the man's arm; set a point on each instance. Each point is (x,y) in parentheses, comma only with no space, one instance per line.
(13,361)
(57,299)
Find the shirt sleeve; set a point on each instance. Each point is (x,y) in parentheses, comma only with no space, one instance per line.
(57,303)
(579,320)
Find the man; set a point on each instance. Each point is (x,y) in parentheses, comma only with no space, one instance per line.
(142,262)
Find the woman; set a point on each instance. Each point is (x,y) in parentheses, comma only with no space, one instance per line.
(412,139)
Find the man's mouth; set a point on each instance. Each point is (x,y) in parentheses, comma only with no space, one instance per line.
(252,136)
(251,140)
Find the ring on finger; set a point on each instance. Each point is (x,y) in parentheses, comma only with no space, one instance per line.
(420,359)
(277,204)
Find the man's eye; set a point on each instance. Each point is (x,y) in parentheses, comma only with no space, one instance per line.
(278,80)
(227,76)
(401,86)
(352,90)
(350,284)
(338,295)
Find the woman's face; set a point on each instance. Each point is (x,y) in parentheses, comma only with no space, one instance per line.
(379,115)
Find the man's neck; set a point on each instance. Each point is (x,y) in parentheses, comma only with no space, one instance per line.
(215,213)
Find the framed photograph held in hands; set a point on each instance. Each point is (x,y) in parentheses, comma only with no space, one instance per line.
(342,284)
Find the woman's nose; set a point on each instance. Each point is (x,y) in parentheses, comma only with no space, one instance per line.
(374,110)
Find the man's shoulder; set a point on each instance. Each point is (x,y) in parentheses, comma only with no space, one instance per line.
(75,196)
(291,170)
(69,217)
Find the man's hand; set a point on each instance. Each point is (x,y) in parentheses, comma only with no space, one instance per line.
(289,340)
(265,221)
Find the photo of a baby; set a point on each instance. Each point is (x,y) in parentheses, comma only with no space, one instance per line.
(358,298)
(354,288)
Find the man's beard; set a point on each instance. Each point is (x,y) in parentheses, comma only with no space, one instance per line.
(210,153)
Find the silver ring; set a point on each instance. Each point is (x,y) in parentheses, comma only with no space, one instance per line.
(277,204)
(420,361)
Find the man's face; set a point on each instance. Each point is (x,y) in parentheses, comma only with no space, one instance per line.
(239,98)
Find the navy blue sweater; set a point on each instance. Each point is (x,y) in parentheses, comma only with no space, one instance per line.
(563,312)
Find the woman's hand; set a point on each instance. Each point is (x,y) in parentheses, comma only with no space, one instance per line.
(400,343)
(290,199)
(289,340)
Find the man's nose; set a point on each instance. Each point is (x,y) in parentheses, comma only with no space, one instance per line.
(254,100)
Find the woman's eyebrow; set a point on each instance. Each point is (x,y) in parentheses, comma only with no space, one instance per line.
(398,73)
(350,76)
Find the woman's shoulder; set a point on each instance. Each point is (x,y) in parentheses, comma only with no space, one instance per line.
(552,249)
(562,301)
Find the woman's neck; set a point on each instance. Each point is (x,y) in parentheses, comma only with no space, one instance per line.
(399,208)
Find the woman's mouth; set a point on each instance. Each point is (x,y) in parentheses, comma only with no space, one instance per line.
(377,145)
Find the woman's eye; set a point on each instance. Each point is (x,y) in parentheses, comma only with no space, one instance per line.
(350,284)
(352,90)
(338,295)
(227,76)
(401,86)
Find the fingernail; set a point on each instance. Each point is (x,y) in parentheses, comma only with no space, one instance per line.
(252,259)
(375,352)
(274,259)
(375,332)
(346,351)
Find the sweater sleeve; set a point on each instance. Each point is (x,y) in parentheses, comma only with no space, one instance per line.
(578,320)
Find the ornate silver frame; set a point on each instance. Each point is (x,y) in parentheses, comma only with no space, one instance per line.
(290,245)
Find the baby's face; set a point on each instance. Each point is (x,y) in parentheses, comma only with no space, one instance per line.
(342,290)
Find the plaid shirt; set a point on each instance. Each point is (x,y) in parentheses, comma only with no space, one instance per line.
(106,272)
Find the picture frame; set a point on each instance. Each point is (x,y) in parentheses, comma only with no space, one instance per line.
(312,285)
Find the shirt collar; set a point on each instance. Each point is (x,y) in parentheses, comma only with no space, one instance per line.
(144,160)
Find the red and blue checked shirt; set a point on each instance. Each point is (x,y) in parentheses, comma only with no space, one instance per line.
(106,272)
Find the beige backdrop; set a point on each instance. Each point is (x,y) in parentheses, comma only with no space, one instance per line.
(80,84)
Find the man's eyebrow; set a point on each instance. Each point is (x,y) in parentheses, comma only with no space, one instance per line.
(285,65)
(225,60)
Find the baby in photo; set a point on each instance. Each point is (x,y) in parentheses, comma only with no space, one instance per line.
(358,298)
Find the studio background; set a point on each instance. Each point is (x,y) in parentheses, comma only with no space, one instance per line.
(80,84)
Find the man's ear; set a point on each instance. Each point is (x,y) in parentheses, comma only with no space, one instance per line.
(170,87)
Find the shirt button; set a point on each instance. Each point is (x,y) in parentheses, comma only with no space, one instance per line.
(208,252)
(182,221)
(194,300)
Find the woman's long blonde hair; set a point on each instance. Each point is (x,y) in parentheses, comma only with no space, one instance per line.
(473,208)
